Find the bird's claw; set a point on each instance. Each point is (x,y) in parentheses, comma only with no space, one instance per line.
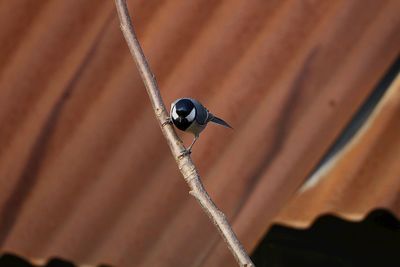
(185,153)
(167,121)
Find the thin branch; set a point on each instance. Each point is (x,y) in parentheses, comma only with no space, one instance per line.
(185,163)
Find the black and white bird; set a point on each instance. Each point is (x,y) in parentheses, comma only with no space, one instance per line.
(190,115)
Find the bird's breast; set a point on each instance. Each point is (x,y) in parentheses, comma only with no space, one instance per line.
(195,128)
(181,123)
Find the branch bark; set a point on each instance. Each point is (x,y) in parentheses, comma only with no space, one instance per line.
(185,164)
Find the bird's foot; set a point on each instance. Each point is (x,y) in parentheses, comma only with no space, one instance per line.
(167,121)
(185,153)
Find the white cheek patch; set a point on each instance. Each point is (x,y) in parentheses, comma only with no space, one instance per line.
(174,114)
(191,115)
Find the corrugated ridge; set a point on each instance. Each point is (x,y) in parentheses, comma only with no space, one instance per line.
(26,135)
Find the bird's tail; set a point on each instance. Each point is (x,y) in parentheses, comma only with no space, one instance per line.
(219,121)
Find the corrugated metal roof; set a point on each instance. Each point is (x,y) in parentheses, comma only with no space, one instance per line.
(363,176)
(84,171)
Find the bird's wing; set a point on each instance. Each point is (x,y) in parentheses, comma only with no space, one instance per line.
(202,114)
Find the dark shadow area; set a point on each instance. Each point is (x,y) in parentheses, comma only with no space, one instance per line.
(12,260)
(56,262)
(333,242)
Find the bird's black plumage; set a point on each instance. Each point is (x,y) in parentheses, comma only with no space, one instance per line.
(183,107)
(183,114)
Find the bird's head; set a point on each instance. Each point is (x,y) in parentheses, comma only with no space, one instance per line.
(183,113)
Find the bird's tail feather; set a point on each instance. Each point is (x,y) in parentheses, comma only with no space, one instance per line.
(219,121)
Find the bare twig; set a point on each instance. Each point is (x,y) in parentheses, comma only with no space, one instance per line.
(185,163)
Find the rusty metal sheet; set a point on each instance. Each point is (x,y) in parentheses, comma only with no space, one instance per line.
(84,171)
(363,176)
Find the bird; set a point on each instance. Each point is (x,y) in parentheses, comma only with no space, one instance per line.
(189,115)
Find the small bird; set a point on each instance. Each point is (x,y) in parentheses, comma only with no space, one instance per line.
(189,115)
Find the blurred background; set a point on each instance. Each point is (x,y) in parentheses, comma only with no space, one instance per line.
(85,174)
